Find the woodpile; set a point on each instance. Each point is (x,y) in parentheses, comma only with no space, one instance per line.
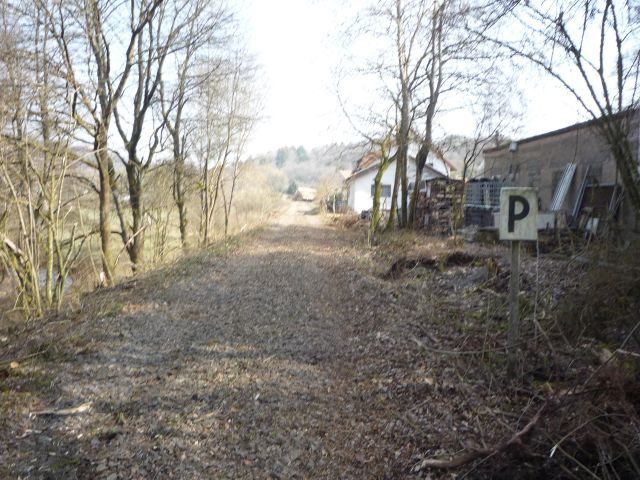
(438,205)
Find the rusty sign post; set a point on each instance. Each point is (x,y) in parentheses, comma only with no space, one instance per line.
(518,221)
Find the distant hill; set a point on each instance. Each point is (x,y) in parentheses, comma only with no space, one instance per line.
(315,166)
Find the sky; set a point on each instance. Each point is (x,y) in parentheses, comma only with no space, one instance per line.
(291,40)
(296,44)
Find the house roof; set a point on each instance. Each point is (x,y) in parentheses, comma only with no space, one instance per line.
(344,174)
(438,153)
(552,133)
(375,166)
(371,160)
(357,173)
(367,160)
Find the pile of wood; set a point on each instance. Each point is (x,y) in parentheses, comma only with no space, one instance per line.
(438,205)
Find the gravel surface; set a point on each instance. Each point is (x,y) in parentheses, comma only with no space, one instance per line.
(278,359)
(298,352)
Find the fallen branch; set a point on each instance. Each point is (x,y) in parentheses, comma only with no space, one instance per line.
(65,411)
(518,439)
(428,348)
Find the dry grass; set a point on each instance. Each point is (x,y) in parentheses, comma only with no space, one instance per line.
(579,359)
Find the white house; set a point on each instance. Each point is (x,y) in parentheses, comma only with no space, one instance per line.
(360,183)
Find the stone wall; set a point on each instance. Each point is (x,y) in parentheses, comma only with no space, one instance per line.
(540,161)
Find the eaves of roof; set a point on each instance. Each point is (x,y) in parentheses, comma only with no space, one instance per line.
(375,166)
(361,172)
(553,133)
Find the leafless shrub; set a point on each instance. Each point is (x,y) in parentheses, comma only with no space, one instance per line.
(606,302)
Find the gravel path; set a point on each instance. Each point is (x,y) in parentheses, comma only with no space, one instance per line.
(267,362)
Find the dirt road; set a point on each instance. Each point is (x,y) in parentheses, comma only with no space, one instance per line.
(271,361)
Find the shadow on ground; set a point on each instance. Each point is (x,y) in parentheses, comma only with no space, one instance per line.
(244,365)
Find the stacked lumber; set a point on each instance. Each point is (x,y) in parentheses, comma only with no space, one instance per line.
(438,205)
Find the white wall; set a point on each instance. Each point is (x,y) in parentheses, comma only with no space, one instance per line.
(360,199)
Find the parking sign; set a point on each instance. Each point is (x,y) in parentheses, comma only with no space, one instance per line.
(518,213)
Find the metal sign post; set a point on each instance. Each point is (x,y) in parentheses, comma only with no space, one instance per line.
(518,221)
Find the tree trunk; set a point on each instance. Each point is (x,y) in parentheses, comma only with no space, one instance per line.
(421,160)
(415,196)
(105,173)
(225,211)
(376,215)
(391,222)
(233,189)
(458,216)
(403,149)
(136,242)
(206,195)
(405,120)
(48,176)
(205,202)
(404,192)
(375,212)
(49,279)
(179,190)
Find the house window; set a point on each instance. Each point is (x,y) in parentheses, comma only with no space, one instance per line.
(385,193)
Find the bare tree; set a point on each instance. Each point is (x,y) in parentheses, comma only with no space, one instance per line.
(395,27)
(67,71)
(210,145)
(453,59)
(408,19)
(207,30)
(86,32)
(426,54)
(493,117)
(485,134)
(228,200)
(175,27)
(591,49)
(230,109)
(21,256)
(246,114)
(34,162)
(159,208)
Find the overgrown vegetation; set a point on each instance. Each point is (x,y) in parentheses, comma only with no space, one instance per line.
(573,408)
(125,121)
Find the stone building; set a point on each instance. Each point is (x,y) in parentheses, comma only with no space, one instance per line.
(572,168)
